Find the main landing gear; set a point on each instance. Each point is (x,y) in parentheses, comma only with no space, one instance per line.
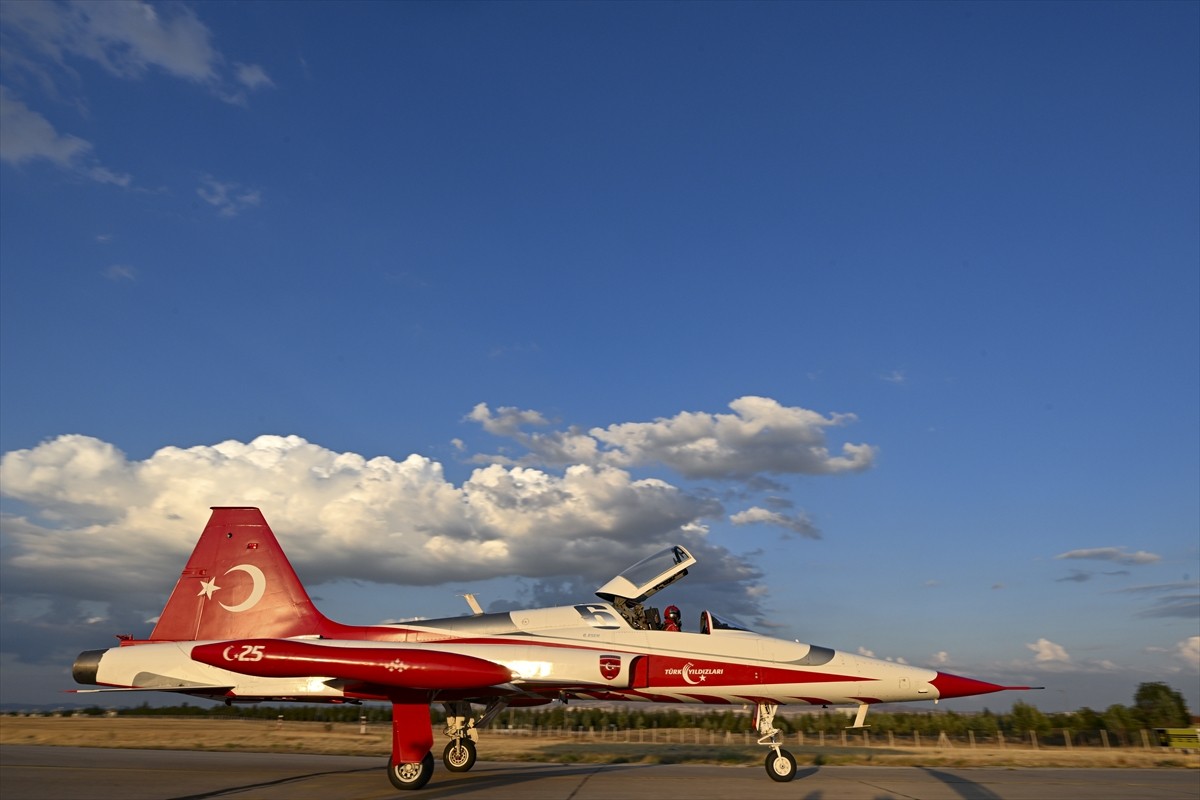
(780,764)
(410,774)
(460,752)
(459,755)
(411,764)
(463,729)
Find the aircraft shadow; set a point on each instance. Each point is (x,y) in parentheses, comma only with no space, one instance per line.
(462,784)
(455,784)
(967,790)
(450,785)
(277,782)
(443,784)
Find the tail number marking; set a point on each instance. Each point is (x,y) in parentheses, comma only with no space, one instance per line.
(245,652)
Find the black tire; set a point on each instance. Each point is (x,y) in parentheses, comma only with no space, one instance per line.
(411,774)
(459,755)
(781,766)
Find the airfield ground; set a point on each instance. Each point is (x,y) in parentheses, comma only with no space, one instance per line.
(657,747)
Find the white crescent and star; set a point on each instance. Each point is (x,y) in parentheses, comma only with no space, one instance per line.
(256,592)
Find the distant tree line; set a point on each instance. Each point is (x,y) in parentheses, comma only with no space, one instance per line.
(1155,705)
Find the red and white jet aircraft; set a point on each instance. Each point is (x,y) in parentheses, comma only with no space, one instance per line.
(240,627)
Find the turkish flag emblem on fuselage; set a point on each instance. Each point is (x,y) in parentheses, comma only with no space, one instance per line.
(610,667)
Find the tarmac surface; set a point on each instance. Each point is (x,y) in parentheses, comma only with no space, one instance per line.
(86,773)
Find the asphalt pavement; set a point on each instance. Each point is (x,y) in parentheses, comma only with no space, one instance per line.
(83,773)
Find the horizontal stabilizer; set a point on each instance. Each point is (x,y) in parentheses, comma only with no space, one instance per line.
(179,689)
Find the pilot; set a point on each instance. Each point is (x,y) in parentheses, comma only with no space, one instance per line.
(672,619)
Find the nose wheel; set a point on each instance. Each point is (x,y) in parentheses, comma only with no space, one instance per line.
(781,765)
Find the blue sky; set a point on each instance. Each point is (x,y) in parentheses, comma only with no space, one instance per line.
(890,311)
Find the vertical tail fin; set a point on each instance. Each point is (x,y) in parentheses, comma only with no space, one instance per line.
(238,584)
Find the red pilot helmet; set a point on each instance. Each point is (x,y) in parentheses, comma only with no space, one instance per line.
(672,613)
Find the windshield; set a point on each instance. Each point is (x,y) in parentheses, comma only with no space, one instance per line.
(648,569)
(723,623)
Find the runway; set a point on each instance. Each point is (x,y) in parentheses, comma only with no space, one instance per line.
(85,773)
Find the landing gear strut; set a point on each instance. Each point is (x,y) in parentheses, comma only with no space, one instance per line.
(780,764)
(411,764)
(462,726)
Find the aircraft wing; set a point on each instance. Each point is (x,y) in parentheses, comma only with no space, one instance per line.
(202,689)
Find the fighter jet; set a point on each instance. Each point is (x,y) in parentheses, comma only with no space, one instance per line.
(240,627)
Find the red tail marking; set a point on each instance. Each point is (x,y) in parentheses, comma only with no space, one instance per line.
(236,585)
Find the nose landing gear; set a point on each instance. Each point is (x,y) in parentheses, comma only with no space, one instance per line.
(780,764)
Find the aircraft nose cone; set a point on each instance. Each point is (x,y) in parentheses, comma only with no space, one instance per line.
(957,686)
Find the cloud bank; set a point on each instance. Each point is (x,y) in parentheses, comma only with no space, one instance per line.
(95,524)
(761,437)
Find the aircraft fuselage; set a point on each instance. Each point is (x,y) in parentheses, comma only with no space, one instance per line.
(586,650)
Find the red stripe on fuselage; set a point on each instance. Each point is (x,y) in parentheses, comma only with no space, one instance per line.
(669,672)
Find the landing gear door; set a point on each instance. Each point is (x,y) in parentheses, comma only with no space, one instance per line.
(648,576)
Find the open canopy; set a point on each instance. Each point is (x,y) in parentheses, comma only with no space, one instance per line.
(648,576)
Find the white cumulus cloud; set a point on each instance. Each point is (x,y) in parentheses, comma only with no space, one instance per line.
(796,523)
(761,437)
(1114,554)
(506,420)
(104,519)
(1188,651)
(1047,652)
(92,532)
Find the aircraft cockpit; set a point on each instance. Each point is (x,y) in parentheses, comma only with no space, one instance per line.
(629,590)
